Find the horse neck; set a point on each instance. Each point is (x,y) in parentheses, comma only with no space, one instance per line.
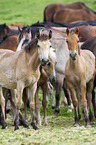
(33,59)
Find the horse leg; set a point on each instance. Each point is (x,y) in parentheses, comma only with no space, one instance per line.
(50,91)
(84,102)
(93,102)
(20,88)
(68,96)
(31,93)
(58,87)
(2,102)
(75,103)
(44,102)
(13,109)
(89,100)
(37,108)
(93,97)
(25,98)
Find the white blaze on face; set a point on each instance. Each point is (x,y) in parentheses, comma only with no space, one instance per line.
(43,48)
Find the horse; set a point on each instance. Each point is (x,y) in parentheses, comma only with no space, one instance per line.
(4,30)
(21,69)
(90,44)
(68,15)
(42,82)
(51,8)
(79,76)
(10,41)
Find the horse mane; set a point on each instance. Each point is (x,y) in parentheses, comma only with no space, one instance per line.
(31,45)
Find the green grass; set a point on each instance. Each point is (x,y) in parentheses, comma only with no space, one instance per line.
(30,11)
(60,129)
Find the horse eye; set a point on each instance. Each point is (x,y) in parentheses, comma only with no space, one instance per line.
(49,64)
(77,41)
(66,41)
(50,46)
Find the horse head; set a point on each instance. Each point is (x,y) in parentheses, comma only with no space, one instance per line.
(44,47)
(72,41)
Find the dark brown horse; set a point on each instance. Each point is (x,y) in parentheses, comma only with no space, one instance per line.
(52,8)
(4,30)
(68,15)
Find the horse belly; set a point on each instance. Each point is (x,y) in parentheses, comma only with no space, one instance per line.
(8,79)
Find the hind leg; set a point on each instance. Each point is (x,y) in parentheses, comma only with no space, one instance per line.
(2,102)
(58,87)
(89,100)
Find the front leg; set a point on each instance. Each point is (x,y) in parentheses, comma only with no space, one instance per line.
(20,87)
(75,103)
(31,93)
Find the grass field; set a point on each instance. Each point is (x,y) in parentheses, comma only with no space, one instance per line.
(30,11)
(60,129)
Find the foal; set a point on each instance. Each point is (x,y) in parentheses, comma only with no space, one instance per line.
(79,71)
(21,69)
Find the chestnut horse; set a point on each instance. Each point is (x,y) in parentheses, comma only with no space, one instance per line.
(52,8)
(79,71)
(21,69)
(68,15)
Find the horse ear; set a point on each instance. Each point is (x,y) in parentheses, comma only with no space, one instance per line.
(4,25)
(50,34)
(67,31)
(38,34)
(77,30)
(28,30)
(19,29)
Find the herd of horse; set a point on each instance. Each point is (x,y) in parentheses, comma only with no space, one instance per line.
(53,52)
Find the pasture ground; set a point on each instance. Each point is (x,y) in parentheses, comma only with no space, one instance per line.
(60,129)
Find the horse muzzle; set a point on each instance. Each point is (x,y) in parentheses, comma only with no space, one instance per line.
(73,56)
(43,62)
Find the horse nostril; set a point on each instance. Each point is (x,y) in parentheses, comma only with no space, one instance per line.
(73,56)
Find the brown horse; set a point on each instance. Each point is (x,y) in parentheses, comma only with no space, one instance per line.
(78,74)
(24,71)
(4,30)
(10,41)
(52,8)
(68,15)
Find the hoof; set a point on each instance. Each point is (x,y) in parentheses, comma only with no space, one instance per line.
(45,123)
(4,126)
(92,122)
(88,126)
(34,126)
(53,107)
(16,128)
(76,125)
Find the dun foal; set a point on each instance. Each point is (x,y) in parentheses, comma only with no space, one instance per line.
(79,71)
(21,69)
